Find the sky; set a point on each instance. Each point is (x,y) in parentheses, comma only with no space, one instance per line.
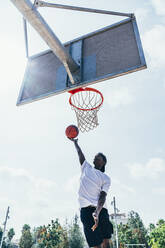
(39,167)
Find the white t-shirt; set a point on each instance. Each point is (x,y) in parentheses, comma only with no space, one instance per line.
(92,182)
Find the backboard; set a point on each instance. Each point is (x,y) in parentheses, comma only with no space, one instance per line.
(104,54)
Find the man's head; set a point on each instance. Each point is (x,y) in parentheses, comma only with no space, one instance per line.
(100,161)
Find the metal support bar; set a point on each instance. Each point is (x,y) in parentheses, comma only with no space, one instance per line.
(31,14)
(26,37)
(143,245)
(39,3)
(115,210)
(4,229)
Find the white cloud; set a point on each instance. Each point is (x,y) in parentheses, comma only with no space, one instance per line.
(118,97)
(153,42)
(119,189)
(31,198)
(122,186)
(159,191)
(24,190)
(141,13)
(159,6)
(13,59)
(72,184)
(35,200)
(152,169)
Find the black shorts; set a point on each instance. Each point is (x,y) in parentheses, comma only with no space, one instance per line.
(104,229)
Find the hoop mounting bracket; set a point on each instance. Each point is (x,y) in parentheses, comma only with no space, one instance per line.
(63,78)
(75,51)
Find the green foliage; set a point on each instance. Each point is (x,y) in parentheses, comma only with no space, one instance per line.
(157,235)
(133,232)
(7,241)
(151,227)
(26,240)
(75,235)
(56,236)
(10,234)
(52,236)
(1,232)
(4,243)
(26,227)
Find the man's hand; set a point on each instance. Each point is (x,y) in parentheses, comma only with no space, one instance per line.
(74,140)
(96,220)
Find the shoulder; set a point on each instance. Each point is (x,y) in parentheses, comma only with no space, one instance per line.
(106,183)
(107,178)
(85,165)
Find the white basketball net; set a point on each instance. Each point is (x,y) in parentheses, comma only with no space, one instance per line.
(86,103)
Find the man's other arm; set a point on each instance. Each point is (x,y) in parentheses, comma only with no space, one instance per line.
(101,201)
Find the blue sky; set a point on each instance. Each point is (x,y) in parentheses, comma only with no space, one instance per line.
(39,168)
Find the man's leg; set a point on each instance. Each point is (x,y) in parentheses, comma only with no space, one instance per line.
(99,246)
(94,239)
(106,228)
(105,243)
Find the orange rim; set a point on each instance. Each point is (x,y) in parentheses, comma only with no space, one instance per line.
(85,89)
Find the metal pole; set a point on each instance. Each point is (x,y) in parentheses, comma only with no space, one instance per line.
(4,229)
(26,37)
(117,241)
(31,14)
(39,3)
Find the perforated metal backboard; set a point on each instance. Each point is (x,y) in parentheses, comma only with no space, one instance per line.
(104,54)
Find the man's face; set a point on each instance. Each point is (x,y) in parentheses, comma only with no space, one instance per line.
(98,162)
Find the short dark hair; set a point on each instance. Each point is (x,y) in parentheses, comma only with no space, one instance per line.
(104,159)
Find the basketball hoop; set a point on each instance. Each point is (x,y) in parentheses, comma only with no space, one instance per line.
(86,102)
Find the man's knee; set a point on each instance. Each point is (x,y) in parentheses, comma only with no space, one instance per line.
(106,243)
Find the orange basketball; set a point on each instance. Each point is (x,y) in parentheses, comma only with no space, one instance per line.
(72,131)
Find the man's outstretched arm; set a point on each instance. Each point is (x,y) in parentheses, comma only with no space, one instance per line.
(79,151)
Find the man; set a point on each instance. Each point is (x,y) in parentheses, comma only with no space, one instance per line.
(94,185)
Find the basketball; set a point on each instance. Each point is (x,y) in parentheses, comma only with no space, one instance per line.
(72,131)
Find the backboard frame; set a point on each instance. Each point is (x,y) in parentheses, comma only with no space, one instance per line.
(96,80)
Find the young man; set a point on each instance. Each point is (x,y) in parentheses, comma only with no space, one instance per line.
(94,185)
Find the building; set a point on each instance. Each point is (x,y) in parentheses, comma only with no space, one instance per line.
(120,218)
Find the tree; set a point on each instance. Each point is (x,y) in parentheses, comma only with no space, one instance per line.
(26,237)
(4,242)
(1,232)
(10,234)
(35,236)
(7,240)
(26,227)
(157,235)
(52,236)
(133,232)
(75,235)
(151,227)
